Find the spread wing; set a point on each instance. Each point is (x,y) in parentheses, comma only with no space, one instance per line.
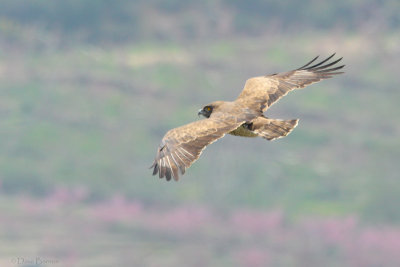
(181,146)
(259,93)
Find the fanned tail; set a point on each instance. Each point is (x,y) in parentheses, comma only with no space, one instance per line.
(271,129)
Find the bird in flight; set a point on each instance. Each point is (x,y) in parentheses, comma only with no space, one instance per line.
(182,146)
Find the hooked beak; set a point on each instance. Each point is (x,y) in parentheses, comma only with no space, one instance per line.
(200,112)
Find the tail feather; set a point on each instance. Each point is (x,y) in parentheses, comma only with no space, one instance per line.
(271,129)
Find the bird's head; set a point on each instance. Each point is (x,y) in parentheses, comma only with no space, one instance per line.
(207,110)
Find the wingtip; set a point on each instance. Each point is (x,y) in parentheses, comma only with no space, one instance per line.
(296,122)
(309,63)
(155,165)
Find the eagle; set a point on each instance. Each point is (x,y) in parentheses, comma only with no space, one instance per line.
(182,146)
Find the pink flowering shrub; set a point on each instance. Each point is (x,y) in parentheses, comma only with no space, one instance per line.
(257,222)
(200,235)
(117,209)
(252,257)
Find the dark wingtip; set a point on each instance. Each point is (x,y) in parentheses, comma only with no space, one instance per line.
(320,63)
(168,174)
(322,67)
(155,169)
(161,172)
(309,62)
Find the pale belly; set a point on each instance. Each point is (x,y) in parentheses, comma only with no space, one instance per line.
(243,131)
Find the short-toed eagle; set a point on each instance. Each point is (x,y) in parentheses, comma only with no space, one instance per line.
(181,146)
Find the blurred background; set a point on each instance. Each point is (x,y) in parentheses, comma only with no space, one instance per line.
(89,88)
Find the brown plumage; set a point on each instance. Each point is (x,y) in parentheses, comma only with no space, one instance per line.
(181,146)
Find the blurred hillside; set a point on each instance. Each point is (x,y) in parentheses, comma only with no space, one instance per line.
(89,88)
(171,20)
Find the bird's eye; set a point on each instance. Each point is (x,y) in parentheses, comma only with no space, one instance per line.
(208,109)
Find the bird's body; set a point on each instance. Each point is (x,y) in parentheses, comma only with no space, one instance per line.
(244,117)
(243,130)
